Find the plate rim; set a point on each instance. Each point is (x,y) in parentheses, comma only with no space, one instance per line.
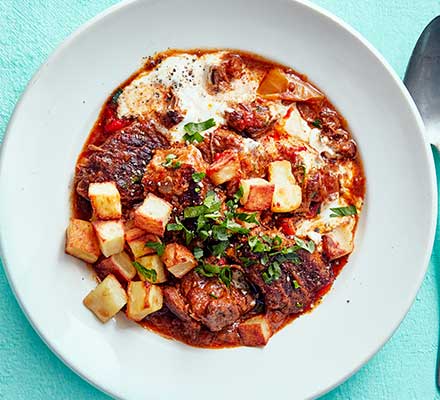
(83,28)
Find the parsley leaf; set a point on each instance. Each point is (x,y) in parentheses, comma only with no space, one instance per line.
(343,211)
(198,253)
(295,284)
(317,123)
(157,246)
(198,176)
(116,95)
(193,130)
(249,218)
(308,246)
(148,274)
(238,195)
(272,273)
(219,248)
(170,162)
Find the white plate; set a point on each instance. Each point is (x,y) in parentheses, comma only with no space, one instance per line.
(317,351)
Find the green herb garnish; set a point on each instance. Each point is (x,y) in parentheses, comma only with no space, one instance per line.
(115,97)
(148,274)
(198,176)
(170,162)
(295,284)
(317,123)
(157,246)
(343,211)
(193,130)
(213,296)
(272,273)
(302,244)
(198,253)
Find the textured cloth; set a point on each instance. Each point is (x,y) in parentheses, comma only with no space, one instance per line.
(404,369)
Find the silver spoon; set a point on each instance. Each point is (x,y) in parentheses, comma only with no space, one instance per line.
(422,78)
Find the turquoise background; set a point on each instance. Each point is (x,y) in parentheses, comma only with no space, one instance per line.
(403,369)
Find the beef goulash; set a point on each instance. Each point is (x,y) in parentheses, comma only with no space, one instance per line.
(216,198)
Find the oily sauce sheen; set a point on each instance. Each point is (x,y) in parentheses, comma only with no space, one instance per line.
(327,167)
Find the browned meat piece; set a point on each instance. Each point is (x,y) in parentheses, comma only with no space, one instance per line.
(122,158)
(341,143)
(251,120)
(169,176)
(323,116)
(311,275)
(318,186)
(208,301)
(173,115)
(220,76)
(220,141)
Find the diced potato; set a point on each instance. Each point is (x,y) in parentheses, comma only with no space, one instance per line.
(340,241)
(119,265)
(257,194)
(81,241)
(287,196)
(153,262)
(143,299)
(110,236)
(153,215)
(225,168)
(105,199)
(107,299)
(133,232)
(255,331)
(138,247)
(274,82)
(178,259)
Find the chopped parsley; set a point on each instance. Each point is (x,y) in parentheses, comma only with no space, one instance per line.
(317,123)
(198,176)
(343,211)
(193,130)
(224,274)
(302,244)
(157,246)
(116,95)
(272,273)
(295,284)
(148,274)
(171,162)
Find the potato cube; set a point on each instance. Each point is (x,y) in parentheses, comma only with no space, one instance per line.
(340,241)
(110,236)
(153,215)
(257,194)
(138,247)
(178,259)
(81,241)
(287,196)
(155,263)
(225,168)
(105,199)
(106,299)
(119,265)
(255,331)
(143,299)
(133,232)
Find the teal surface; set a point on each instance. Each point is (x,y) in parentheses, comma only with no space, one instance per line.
(403,369)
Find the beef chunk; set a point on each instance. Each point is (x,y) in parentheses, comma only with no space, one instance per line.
(311,275)
(249,120)
(326,117)
(220,76)
(169,176)
(207,300)
(122,158)
(220,141)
